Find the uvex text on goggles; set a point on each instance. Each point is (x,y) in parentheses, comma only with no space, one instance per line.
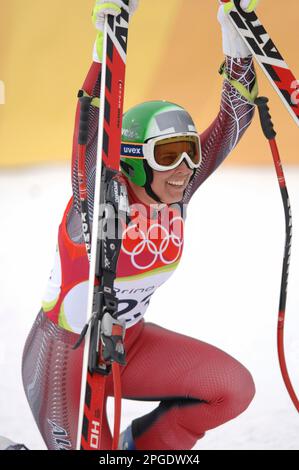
(167,153)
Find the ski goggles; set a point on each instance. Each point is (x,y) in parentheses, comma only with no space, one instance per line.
(167,153)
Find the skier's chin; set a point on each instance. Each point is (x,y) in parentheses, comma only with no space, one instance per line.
(173,194)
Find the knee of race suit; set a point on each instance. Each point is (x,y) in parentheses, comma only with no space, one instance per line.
(226,392)
(238,393)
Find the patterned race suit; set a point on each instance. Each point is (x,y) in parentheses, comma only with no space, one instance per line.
(198,386)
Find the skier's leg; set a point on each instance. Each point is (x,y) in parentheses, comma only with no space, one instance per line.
(199,388)
(51,372)
(51,378)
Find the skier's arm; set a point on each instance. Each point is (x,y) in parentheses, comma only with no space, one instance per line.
(236,108)
(91,87)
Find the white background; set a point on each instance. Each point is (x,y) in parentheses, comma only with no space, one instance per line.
(225,292)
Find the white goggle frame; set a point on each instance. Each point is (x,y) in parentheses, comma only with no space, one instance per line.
(149,153)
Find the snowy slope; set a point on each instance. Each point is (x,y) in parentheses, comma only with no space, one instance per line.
(230,269)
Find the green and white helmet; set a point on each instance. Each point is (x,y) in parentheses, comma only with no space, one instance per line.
(149,122)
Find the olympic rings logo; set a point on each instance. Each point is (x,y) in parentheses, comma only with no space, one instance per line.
(147,248)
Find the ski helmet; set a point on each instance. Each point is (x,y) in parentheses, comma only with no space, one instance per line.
(141,124)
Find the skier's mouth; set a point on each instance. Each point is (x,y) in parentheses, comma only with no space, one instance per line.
(178,183)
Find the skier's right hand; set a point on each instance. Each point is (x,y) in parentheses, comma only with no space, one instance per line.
(101,9)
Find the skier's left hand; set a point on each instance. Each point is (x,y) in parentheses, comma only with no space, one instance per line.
(103,8)
(233,44)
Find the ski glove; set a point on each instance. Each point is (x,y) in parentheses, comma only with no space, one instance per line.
(104,7)
(233,44)
(101,9)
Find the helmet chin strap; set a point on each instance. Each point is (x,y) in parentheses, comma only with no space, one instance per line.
(151,193)
(149,180)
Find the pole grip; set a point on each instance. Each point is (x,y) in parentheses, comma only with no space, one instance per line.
(265,117)
(84,116)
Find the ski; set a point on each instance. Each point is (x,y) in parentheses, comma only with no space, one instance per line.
(103,349)
(268,57)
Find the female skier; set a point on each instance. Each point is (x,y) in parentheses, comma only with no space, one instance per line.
(198,386)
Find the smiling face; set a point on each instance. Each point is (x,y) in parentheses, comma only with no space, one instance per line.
(169,185)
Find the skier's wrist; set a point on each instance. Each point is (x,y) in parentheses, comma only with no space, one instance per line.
(234,46)
(240,74)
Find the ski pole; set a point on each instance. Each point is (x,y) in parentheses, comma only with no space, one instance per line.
(270,134)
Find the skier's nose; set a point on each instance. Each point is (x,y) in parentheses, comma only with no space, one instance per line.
(184,168)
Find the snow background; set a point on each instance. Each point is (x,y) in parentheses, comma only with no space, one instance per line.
(225,292)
